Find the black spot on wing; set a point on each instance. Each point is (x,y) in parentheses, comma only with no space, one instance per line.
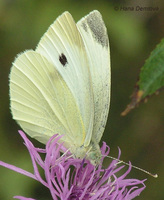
(63,59)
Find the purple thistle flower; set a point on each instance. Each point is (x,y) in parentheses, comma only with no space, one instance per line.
(69,178)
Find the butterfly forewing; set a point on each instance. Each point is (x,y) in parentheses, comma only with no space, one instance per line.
(63,46)
(94,34)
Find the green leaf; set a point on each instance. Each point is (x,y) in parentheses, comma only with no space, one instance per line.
(151,77)
(152,73)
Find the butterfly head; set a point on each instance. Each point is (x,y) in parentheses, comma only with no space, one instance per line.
(94,154)
(91,153)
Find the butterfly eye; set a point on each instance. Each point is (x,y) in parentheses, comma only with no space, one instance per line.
(63,59)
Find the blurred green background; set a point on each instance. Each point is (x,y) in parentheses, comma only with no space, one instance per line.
(133,35)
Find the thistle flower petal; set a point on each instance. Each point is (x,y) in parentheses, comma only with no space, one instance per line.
(70,178)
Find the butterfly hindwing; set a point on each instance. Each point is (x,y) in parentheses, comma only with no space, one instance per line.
(41,101)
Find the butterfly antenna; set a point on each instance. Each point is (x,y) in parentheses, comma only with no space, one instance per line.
(138,168)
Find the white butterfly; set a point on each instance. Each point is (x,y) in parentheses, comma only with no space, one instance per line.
(64,85)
